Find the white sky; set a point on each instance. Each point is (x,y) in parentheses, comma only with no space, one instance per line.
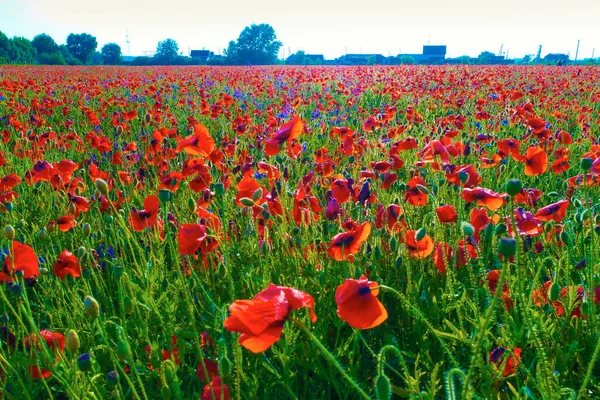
(326,27)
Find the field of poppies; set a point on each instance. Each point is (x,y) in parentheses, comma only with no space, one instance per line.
(300,232)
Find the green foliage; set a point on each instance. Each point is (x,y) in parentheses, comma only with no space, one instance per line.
(23,51)
(44,44)
(256,45)
(51,59)
(111,54)
(81,46)
(297,58)
(166,52)
(407,60)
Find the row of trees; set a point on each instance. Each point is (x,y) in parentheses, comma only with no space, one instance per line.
(80,49)
(256,45)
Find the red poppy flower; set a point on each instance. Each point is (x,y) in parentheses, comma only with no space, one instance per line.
(511,362)
(260,321)
(483,197)
(191,237)
(220,390)
(446,213)
(357,303)
(211,366)
(246,188)
(66,223)
(415,194)
(146,218)
(452,175)
(25,260)
(536,161)
(55,342)
(67,264)
(442,256)
(553,212)
(479,218)
(200,143)
(417,248)
(286,133)
(345,244)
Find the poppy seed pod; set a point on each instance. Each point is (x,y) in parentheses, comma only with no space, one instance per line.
(72,341)
(467,228)
(514,187)
(586,163)
(463,176)
(507,247)
(102,186)
(165,195)
(91,307)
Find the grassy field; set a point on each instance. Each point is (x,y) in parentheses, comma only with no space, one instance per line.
(300,232)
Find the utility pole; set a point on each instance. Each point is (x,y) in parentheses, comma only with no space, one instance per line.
(577,51)
(593,50)
(128,43)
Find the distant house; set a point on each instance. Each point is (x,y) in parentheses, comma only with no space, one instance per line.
(127,59)
(202,55)
(434,54)
(361,59)
(556,58)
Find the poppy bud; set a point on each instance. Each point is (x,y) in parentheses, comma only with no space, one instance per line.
(91,307)
(9,206)
(102,186)
(500,229)
(112,378)
(16,289)
(84,362)
(9,232)
(553,194)
(514,187)
(87,229)
(421,234)
(467,228)
(71,209)
(422,189)
(165,195)
(257,195)
(119,129)
(122,350)
(191,205)
(247,202)
(72,341)
(147,118)
(463,176)
(128,305)
(383,388)
(109,219)
(586,163)
(393,244)
(507,247)
(554,291)
(165,392)
(219,188)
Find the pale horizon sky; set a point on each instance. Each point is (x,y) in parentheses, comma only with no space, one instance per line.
(332,28)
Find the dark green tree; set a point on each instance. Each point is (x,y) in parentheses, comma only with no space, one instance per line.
(23,51)
(81,46)
(6,48)
(44,44)
(256,45)
(111,54)
(485,57)
(166,51)
(67,56)
(298,58)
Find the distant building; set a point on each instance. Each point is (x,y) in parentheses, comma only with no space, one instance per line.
(202,55)
(361,59)
(435,54)
(556,58)
(317,59)
(127,59)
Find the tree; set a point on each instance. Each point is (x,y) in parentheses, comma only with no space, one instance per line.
(256,45)
(407,60)
(298,58)
(67,56)
(44,44)
(23,51)
(6,48)
(111,54)
(166,51)
(485,57)
(81,46)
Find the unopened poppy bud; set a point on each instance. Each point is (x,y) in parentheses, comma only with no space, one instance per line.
(112,378)
(420,234)
(191,205)
(102,186)
(247,202)
(147,117)
(507,247)
(383,388)
(165,195)
(122,350)
(87,229)
(9,206)
(463,176)
(422,189)
(17,289)
(554,291)
(257,195)
(71,209)
(467,228)
(500,229)
(119,129)
(72,341)
(81,251)
(91,307)
(219,188)
(9,232)
(514,187)
(586,163)
(84,362)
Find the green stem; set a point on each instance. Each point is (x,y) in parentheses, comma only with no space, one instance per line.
(330,357)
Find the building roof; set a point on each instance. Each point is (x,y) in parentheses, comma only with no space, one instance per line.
(201,53)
